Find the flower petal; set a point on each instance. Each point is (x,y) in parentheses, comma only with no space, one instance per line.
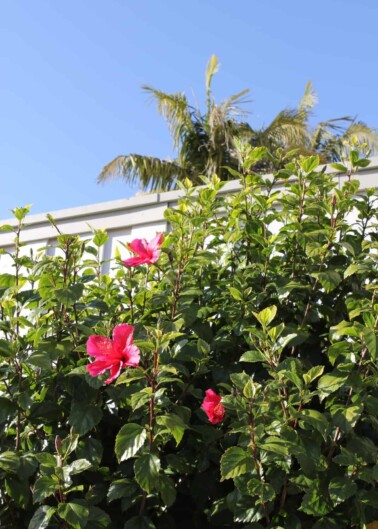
(114,373)
(98,367)
(211,396)
(122,337)
(156,241)
(99,346)
(131,356)
(134,261)
(140,247)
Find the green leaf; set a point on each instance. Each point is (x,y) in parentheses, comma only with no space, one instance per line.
(275,445)
(264,491)
(129,441)
(78,466)
(121,488)
(20,213)
(174,424)
(84,416)
(346,418)
(316,501)
(69,295)
(167,490)
(44,487)
(19,490)
(235,293)
(97,519)
(330,383)
(371,342)
(329,280)
(139,522)
(266,316)
(140,398)
(146,469)
(10,462)
(316,419)
(5,349)
(312,374)
(252,357)
(100,238)
(340,489)
(74,513)
(235,462)
(41,517)
(310,163)
(339,167)
(7,408)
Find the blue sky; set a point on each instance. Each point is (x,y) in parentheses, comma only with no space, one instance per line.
(70,97)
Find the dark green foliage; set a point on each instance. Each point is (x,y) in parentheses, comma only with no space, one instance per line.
(268,297)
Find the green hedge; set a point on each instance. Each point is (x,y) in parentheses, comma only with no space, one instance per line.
(264,301)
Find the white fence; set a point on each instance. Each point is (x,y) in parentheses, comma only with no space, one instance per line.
(124,220)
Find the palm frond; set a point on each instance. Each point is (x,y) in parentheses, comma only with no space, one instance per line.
(211,69)
(288,128)
(174,108)
(152,173)
(364,134)
(309,98)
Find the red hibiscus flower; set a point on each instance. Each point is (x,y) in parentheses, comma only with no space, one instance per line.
(147,252)
(212,407)
(113,354)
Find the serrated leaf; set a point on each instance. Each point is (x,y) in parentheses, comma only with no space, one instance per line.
(329,280)
(97,519)
(69,295)
(44,487)
(139,522)
(339,167)
(10,462)
(316,419)
(340,489)
(74,513)
(84,416)
(140,398)
(146,469)
(316,501)
(174,424)
(235,293)
(371,342)
(129,441)
(275,445)
(252,357)
(41,517)
(235,462)
(310,163)
(266,316)
(78,466)
(167,490)
(331,382)
(121,488)
(264,491)
(312,374)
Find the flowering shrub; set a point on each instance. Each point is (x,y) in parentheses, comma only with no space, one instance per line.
(222,377)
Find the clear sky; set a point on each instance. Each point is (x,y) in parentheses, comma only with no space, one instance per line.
(71,71)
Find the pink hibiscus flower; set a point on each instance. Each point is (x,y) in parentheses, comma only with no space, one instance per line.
(212,406)
(113,354)
(147,252)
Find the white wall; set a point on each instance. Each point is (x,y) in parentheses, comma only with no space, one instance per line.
(124,220)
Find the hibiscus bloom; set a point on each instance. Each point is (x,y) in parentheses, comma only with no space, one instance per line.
(147,252)
(113,354)
(212,406)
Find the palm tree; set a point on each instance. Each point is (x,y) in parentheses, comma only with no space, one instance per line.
(291,130)
(204,142)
